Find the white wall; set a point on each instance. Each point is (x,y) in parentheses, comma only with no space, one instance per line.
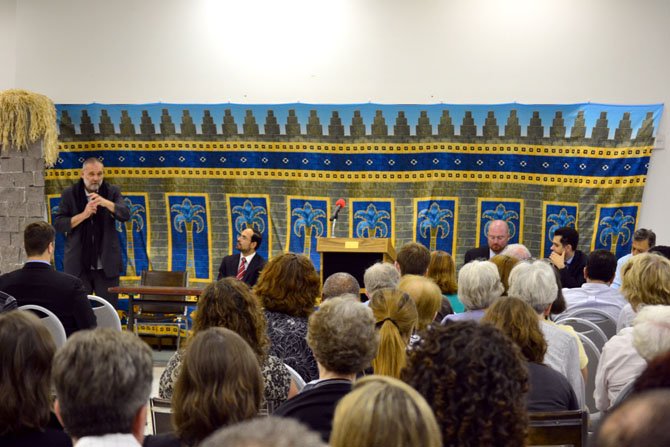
(390,51)
(7,44)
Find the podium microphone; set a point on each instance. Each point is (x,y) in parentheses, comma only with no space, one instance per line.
(338,206)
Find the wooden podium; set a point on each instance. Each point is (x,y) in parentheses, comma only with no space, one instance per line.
(352,255)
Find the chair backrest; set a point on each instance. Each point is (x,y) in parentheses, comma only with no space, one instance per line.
(558,428)
(593,353)
(600,318)
(297,378)
(105,313)
(168,279)
(161,415)
(50,320)
(7,302)
(587,328)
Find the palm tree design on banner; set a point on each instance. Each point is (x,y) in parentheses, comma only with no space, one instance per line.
(560,220)
(617,230)
(187,216)
(136,221)
(501,213)
(249,216)
(432,220)
(308,220)
(372,222)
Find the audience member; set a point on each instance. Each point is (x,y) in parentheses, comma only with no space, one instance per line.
(662,250)
(655,375)
(643,241)
(497,237)
(288,288)
(343,339)
(426,295)
(535,283)
(549,389)
(569,261)
(396,318)
(413,259)
(384,412)
(230,304)
(648,283)
(26,353)
(103,380)
(640,421)
(596,292)
(518,251)
(38,283)
(381,275)
(625,356)
(220,384)
(265,432)
(479,286)
(505,264)
(474,379)
(442,270)
(339,284)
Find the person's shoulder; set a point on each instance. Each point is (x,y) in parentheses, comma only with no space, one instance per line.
(162,440)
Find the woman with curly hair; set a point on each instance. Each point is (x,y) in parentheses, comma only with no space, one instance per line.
(288,288)
(26,354)
(229,303)
(442,270)
(384,412)
(475,380)
(220,384)
(549,389)
(396,318)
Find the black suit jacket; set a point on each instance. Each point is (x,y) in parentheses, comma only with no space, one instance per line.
(63,294)
(476,253)
(573,274)
(229,266)
(112,263)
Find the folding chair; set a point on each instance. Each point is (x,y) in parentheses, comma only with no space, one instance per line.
(558,428)
(50,320)
(105,313)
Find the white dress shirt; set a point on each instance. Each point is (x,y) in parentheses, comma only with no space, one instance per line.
(593,295)
(563,356)
(619,365)
(616,284)
(626,317)
(111,440)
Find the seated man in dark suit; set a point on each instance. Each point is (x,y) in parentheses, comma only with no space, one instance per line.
(247,265)
(497,236)
(569,261)
(38,283)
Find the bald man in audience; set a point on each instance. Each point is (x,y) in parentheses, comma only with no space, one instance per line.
(497,237)
(639,422)
(338,284)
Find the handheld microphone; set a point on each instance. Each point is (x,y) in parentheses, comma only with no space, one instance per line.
(338,206)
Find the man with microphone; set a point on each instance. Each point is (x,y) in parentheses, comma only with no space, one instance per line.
(87,214)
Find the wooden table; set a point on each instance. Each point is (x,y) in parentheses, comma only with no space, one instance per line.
(133,291)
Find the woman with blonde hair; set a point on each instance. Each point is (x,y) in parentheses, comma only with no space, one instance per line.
(220,384)
(396,318)
(442,270)
(426,295)
(549,389)
(288,288)
(230,303)
(384,412)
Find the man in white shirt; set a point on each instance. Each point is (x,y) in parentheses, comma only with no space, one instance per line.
(643,240)
(596,292)
(103,381)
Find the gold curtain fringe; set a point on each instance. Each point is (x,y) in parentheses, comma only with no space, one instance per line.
(26,117)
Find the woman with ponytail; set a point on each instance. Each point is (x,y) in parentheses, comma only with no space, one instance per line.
(396,318)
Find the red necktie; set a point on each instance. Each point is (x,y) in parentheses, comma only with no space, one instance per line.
(242,269)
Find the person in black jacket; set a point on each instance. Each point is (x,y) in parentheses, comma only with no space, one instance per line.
(569,261)
(87,214)
(248,263)
(38,283)
(497,237)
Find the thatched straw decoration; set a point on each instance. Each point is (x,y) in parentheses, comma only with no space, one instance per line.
(26,117)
